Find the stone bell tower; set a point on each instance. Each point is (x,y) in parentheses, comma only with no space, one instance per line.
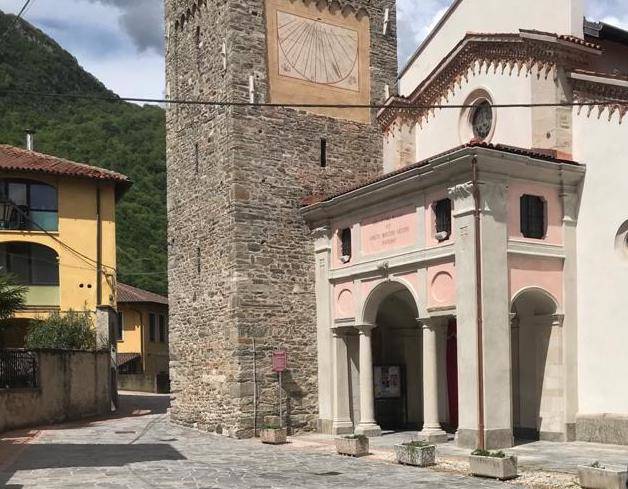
(241,259)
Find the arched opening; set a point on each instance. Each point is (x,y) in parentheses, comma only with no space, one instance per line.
(537,378)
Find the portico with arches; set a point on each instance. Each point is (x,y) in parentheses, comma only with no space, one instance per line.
(435,314)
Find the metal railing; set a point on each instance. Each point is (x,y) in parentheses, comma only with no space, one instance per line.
(19,369)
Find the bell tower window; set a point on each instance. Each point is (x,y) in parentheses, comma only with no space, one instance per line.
(533,220)
(442,214)
(345,245)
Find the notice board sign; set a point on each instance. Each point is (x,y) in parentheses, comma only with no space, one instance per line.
(280,361)
(387,382)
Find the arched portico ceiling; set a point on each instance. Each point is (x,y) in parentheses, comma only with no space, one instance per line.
(384,290)
(521,53)
(534,301)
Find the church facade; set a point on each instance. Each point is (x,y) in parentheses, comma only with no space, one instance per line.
(453,263)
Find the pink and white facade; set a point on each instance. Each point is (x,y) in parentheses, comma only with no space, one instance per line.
(481,290)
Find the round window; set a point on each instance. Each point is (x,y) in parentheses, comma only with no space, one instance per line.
(482,120)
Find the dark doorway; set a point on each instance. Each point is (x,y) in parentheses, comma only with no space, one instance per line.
(452,375)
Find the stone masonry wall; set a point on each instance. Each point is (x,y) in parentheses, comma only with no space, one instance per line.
(242,210)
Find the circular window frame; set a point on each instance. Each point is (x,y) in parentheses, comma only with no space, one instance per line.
(621,242)
(466,131)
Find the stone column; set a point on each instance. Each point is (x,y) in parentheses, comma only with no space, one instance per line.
(342,423)
(432,431)
(367,425)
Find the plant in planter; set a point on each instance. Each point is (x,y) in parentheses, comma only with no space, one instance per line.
(416,453)
(598,476)
(353,445)
(496,465)
(272,435)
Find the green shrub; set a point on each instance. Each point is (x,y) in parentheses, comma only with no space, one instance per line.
(416,444)
(486,453)
(70,331)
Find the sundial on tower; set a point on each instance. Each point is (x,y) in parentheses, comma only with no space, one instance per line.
(318,52)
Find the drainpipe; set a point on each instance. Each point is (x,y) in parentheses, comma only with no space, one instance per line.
(98,248)
(478,299)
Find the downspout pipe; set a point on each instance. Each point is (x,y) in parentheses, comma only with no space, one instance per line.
(478,298)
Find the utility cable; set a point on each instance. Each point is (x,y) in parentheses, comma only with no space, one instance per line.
(18,17)
(222,103)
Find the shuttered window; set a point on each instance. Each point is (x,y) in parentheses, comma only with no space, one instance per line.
(533,221)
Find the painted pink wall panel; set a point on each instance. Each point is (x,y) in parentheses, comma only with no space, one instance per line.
(344,301)
(430,219)
(532,271)
(554,211)
(390,231)
(441,285)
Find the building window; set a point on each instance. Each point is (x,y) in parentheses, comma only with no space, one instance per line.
(442,214)
(162,328)
(120,327)
(29,263)
(323,153)
(28,205)
(345,245)
(533,222)
(152,333)
(482,120)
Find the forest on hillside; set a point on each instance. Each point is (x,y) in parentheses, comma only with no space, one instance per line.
(120,136)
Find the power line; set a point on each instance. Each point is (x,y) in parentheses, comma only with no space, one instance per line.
(222,103)
(18,17)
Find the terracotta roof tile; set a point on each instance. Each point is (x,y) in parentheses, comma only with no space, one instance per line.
(130,294)
(19,159)
(537,153)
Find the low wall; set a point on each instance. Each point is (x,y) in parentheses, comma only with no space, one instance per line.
(72,385)
(602,428)
(143,383)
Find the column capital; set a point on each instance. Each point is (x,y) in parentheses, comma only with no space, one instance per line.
(558,320)
(430,322)
(365,328)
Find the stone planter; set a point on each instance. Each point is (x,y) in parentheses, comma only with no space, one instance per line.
(603,477)
(493,467)
(353,446)
(273,436)
(416,455)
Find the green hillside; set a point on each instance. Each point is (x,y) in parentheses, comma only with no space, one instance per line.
(120,136)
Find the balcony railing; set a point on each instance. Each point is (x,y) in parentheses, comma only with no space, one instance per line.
(19,369)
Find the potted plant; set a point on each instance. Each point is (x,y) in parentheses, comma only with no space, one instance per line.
(353,445)
(496,465)
(597,476)
(417,453)
(273,435)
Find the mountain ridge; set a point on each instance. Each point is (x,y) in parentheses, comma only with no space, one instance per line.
(115,135)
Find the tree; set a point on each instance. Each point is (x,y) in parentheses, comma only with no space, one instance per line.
(70,331)
(12,297)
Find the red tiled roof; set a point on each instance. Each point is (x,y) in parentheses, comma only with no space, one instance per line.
(124,358)
(537,153)
(18,159)
(128,294)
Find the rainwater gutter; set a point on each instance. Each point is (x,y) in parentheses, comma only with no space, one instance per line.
(478,297)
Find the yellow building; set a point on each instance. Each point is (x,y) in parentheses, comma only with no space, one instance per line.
(57,234)
(142,340)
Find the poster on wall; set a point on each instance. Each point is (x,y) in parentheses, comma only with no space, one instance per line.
(387,382)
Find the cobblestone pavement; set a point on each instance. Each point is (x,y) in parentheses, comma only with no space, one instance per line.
(139,450)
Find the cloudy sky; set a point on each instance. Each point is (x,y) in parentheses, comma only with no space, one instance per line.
(121,41)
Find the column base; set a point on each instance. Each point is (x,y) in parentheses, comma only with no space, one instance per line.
(493,439)
(342,428)
(368,429)
(433,436)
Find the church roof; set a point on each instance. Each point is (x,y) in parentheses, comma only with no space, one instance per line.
(535,153)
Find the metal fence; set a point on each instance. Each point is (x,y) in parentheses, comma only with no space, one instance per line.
(19,369)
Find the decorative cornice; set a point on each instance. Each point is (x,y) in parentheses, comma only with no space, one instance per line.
(185,14)
(611,93)
(524,52)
